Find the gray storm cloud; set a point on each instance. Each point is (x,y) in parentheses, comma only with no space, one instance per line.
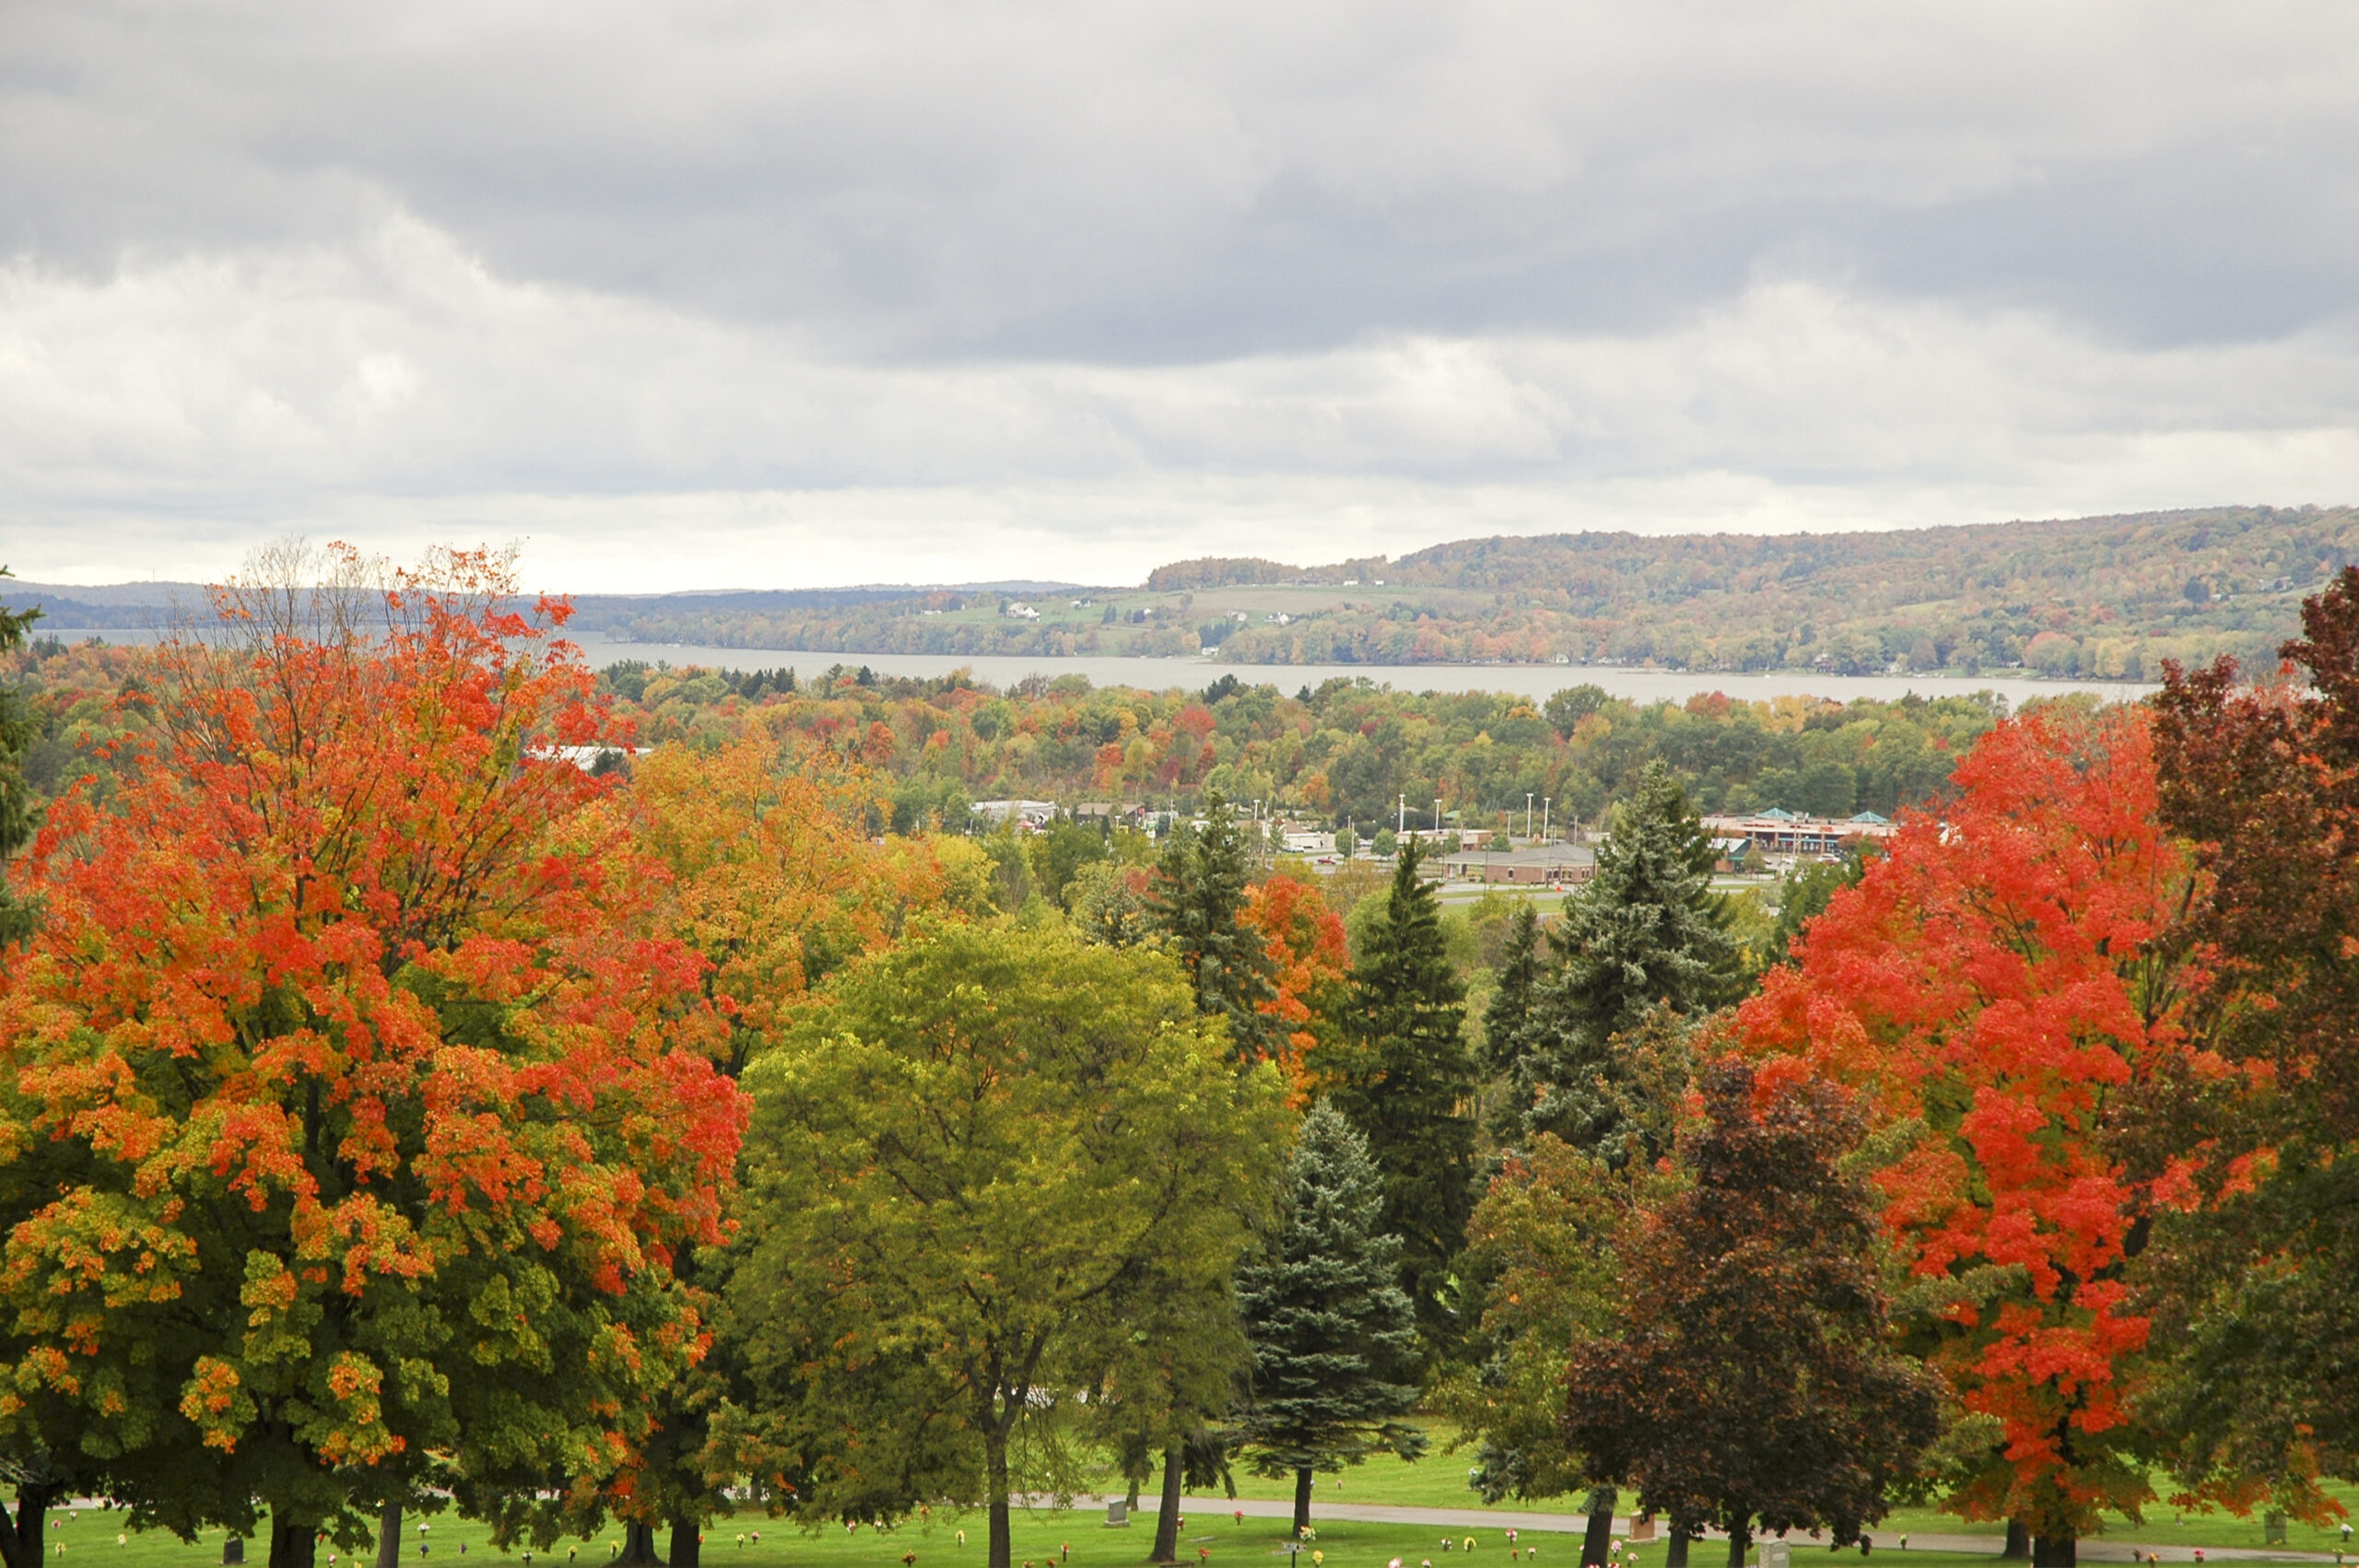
(903,290)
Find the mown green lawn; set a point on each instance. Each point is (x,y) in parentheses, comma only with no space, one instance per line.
(1077,1538)
(1438,1480)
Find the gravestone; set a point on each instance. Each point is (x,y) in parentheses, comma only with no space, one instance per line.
(2272,1527)
(1118,1514)
(234,1550)
(1777,1554)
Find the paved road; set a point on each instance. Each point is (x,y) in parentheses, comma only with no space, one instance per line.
(1460,1520)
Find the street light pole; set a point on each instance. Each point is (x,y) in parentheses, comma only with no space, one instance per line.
(1545,801)
(1527,814)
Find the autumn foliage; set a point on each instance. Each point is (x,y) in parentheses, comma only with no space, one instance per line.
(1311,958)
(350,1113)
(1995,989)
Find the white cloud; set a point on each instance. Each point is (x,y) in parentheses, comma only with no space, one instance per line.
(900,290)
(401,391)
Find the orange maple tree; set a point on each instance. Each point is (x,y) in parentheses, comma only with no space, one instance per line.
(766,872)
(1994,984)
(350,1116)
(1311,958)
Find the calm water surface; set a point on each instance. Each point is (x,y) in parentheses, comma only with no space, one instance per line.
(1535,681)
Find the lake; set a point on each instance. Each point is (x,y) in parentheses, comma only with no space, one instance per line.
(1534,681)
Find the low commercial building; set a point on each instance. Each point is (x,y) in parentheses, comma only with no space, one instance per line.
(1782,833)
(1540,865)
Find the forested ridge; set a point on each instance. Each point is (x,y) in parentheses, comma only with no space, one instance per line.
(2107,597)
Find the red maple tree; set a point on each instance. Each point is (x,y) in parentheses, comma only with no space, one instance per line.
(348,1113)
(1995,987)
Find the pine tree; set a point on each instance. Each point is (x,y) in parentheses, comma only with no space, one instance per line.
(1508,1020)
(1332,1332)
(16,807)
(1409,1084)
(1197,896)
(1646,932)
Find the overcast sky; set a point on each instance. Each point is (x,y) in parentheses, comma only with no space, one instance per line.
(791,294)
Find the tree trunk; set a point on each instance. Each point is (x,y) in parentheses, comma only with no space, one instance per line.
(995,1476)
(687,1542)
(1739,1542)
(1597,1542)
(291,1546)
(2018,1546)
(389,1535)
(1167,1514)
(20,1539)
(2055,1551)
(1130,1504)
(638,1547)
(1301,1501)
(1675,1555)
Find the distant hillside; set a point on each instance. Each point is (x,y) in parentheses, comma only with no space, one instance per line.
(123,604)
(2107,597)
(2103,597)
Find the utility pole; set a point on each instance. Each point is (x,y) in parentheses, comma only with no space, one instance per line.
(1545,801)
(1527,814)
(1401,825)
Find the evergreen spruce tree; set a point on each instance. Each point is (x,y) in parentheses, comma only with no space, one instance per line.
(1198,892)
(1507,1021)
(1646,932)
(1332,1333)
(16,801)
(1408,1084)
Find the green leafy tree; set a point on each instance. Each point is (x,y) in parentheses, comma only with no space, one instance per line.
(1543,1235)
(1383,845)
(1332,1334)
(984,1156)
(1059,855)
(1569,706)
(1408,1083)
(1645,931)
(1175,1364)
(1194,903)
(1745,1377)
(1347,843)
